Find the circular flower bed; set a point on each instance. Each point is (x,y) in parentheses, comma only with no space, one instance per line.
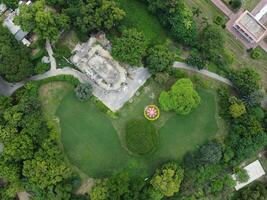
(151,112)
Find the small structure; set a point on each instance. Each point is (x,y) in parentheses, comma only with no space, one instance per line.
(250,28)
(254,171)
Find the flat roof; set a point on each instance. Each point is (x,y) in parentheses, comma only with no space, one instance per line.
(251,25)
(254,171)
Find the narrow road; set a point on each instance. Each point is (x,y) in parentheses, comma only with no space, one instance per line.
(181,65)
(7,88)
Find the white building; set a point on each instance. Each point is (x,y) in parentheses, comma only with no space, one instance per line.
(254,170)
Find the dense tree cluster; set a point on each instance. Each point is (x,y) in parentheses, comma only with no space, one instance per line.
(182,97)
(159,59)
(31,159)
(130,47)
(46,23)
(15,61)
(165,183)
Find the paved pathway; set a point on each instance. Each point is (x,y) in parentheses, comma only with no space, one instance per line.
(7,88)
(181,65)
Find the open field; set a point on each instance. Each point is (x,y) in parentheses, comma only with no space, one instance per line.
(92,144)
(138,16)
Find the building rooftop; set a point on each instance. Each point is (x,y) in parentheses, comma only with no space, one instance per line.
(254,171)
(252,26)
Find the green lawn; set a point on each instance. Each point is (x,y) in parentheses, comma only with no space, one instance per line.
(138,16)
(91,141)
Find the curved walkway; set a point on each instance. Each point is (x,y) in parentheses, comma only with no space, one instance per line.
(181,65)
(7,88)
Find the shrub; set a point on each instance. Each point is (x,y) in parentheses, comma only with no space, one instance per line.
(83,91)
(41,68)
(141,136)
(210,153)
(218,20)
(256,54)
(236,4)
(182,97)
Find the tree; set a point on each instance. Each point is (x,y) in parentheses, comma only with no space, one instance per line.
(13,69)
(236,4)
(211,46)
(182,97)
(257,191)
(130,47)
(11,3)
(237,109)
(159,58)
(100,190)
(246,81)
(83,91)
(167,179)
(210,153)
(182,24)
(98,15)
(241,175)
(45,23)
(47,168)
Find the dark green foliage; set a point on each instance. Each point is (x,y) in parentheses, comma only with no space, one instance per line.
(15,63)
(257,191)
(11,3)
(246,81)
(96,15)
(141,136)
(45,23)
(159,58)
(195,60)
(236,4)
(210,153)
(83,91)
(130,48)
(241,175)
(182,24)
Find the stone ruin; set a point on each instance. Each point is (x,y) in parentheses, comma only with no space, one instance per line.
(96,62)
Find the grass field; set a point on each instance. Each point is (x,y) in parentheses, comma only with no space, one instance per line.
(138,16)
(92,144)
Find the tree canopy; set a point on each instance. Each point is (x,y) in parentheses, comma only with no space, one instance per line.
(130,48)
(182,97)
(46,23)
(13,69)
(159,58)
(167,179)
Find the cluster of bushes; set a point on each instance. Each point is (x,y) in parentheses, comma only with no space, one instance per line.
(165,182)
(32,160)
(15,58)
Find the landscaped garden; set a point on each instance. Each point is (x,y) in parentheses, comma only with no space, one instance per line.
(95,142)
